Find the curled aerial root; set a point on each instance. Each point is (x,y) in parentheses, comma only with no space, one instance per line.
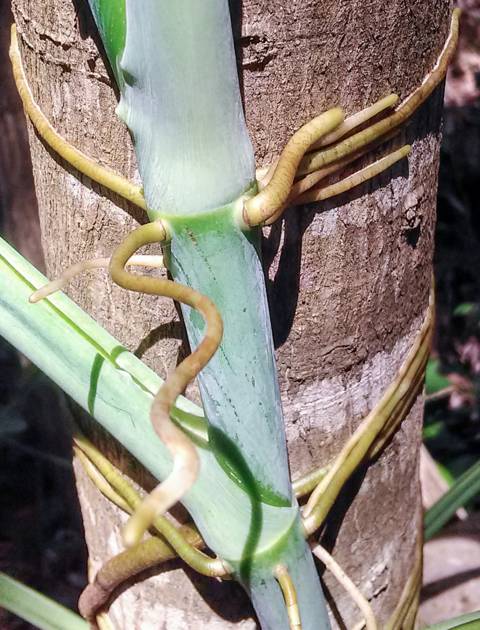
(376,429)
(334,568)
(259,208)
(357,119)
(315,160)
(290,596)
(81,162)
(357,178)
(69,274)
(185,540)
(186,462)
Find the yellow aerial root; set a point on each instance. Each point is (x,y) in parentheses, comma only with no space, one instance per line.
(375,429)
(259,208)
(81,162)
(355,120)
(185,457)
(290,596)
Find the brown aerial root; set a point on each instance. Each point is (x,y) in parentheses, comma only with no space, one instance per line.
(146,555)
(185,458)
(184,541)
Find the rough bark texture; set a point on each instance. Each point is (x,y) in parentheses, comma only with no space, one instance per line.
(348,281)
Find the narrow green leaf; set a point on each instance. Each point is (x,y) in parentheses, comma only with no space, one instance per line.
(470,621)
(115,387)
(464,489)
(37,609)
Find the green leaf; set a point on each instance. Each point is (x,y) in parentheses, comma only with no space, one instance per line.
(433,430)
(470,621)
(434,379)
(464,309)
(464,489)
(116,388)
(37,609)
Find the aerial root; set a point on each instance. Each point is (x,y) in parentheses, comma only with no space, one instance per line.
(81,162)
(334,568)
(318,159)
(376,429)
(290,596)
(259,208)
(100,482)
(185,540)
(306,191)
(146,555)
(186,462)
(354,121)
(277,188)
(153,262)
(357,178)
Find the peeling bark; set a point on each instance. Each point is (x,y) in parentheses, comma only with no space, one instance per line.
(348,281)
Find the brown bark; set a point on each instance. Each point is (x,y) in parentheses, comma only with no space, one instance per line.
(348,282)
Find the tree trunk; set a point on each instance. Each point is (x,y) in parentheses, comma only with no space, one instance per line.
(348,281)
